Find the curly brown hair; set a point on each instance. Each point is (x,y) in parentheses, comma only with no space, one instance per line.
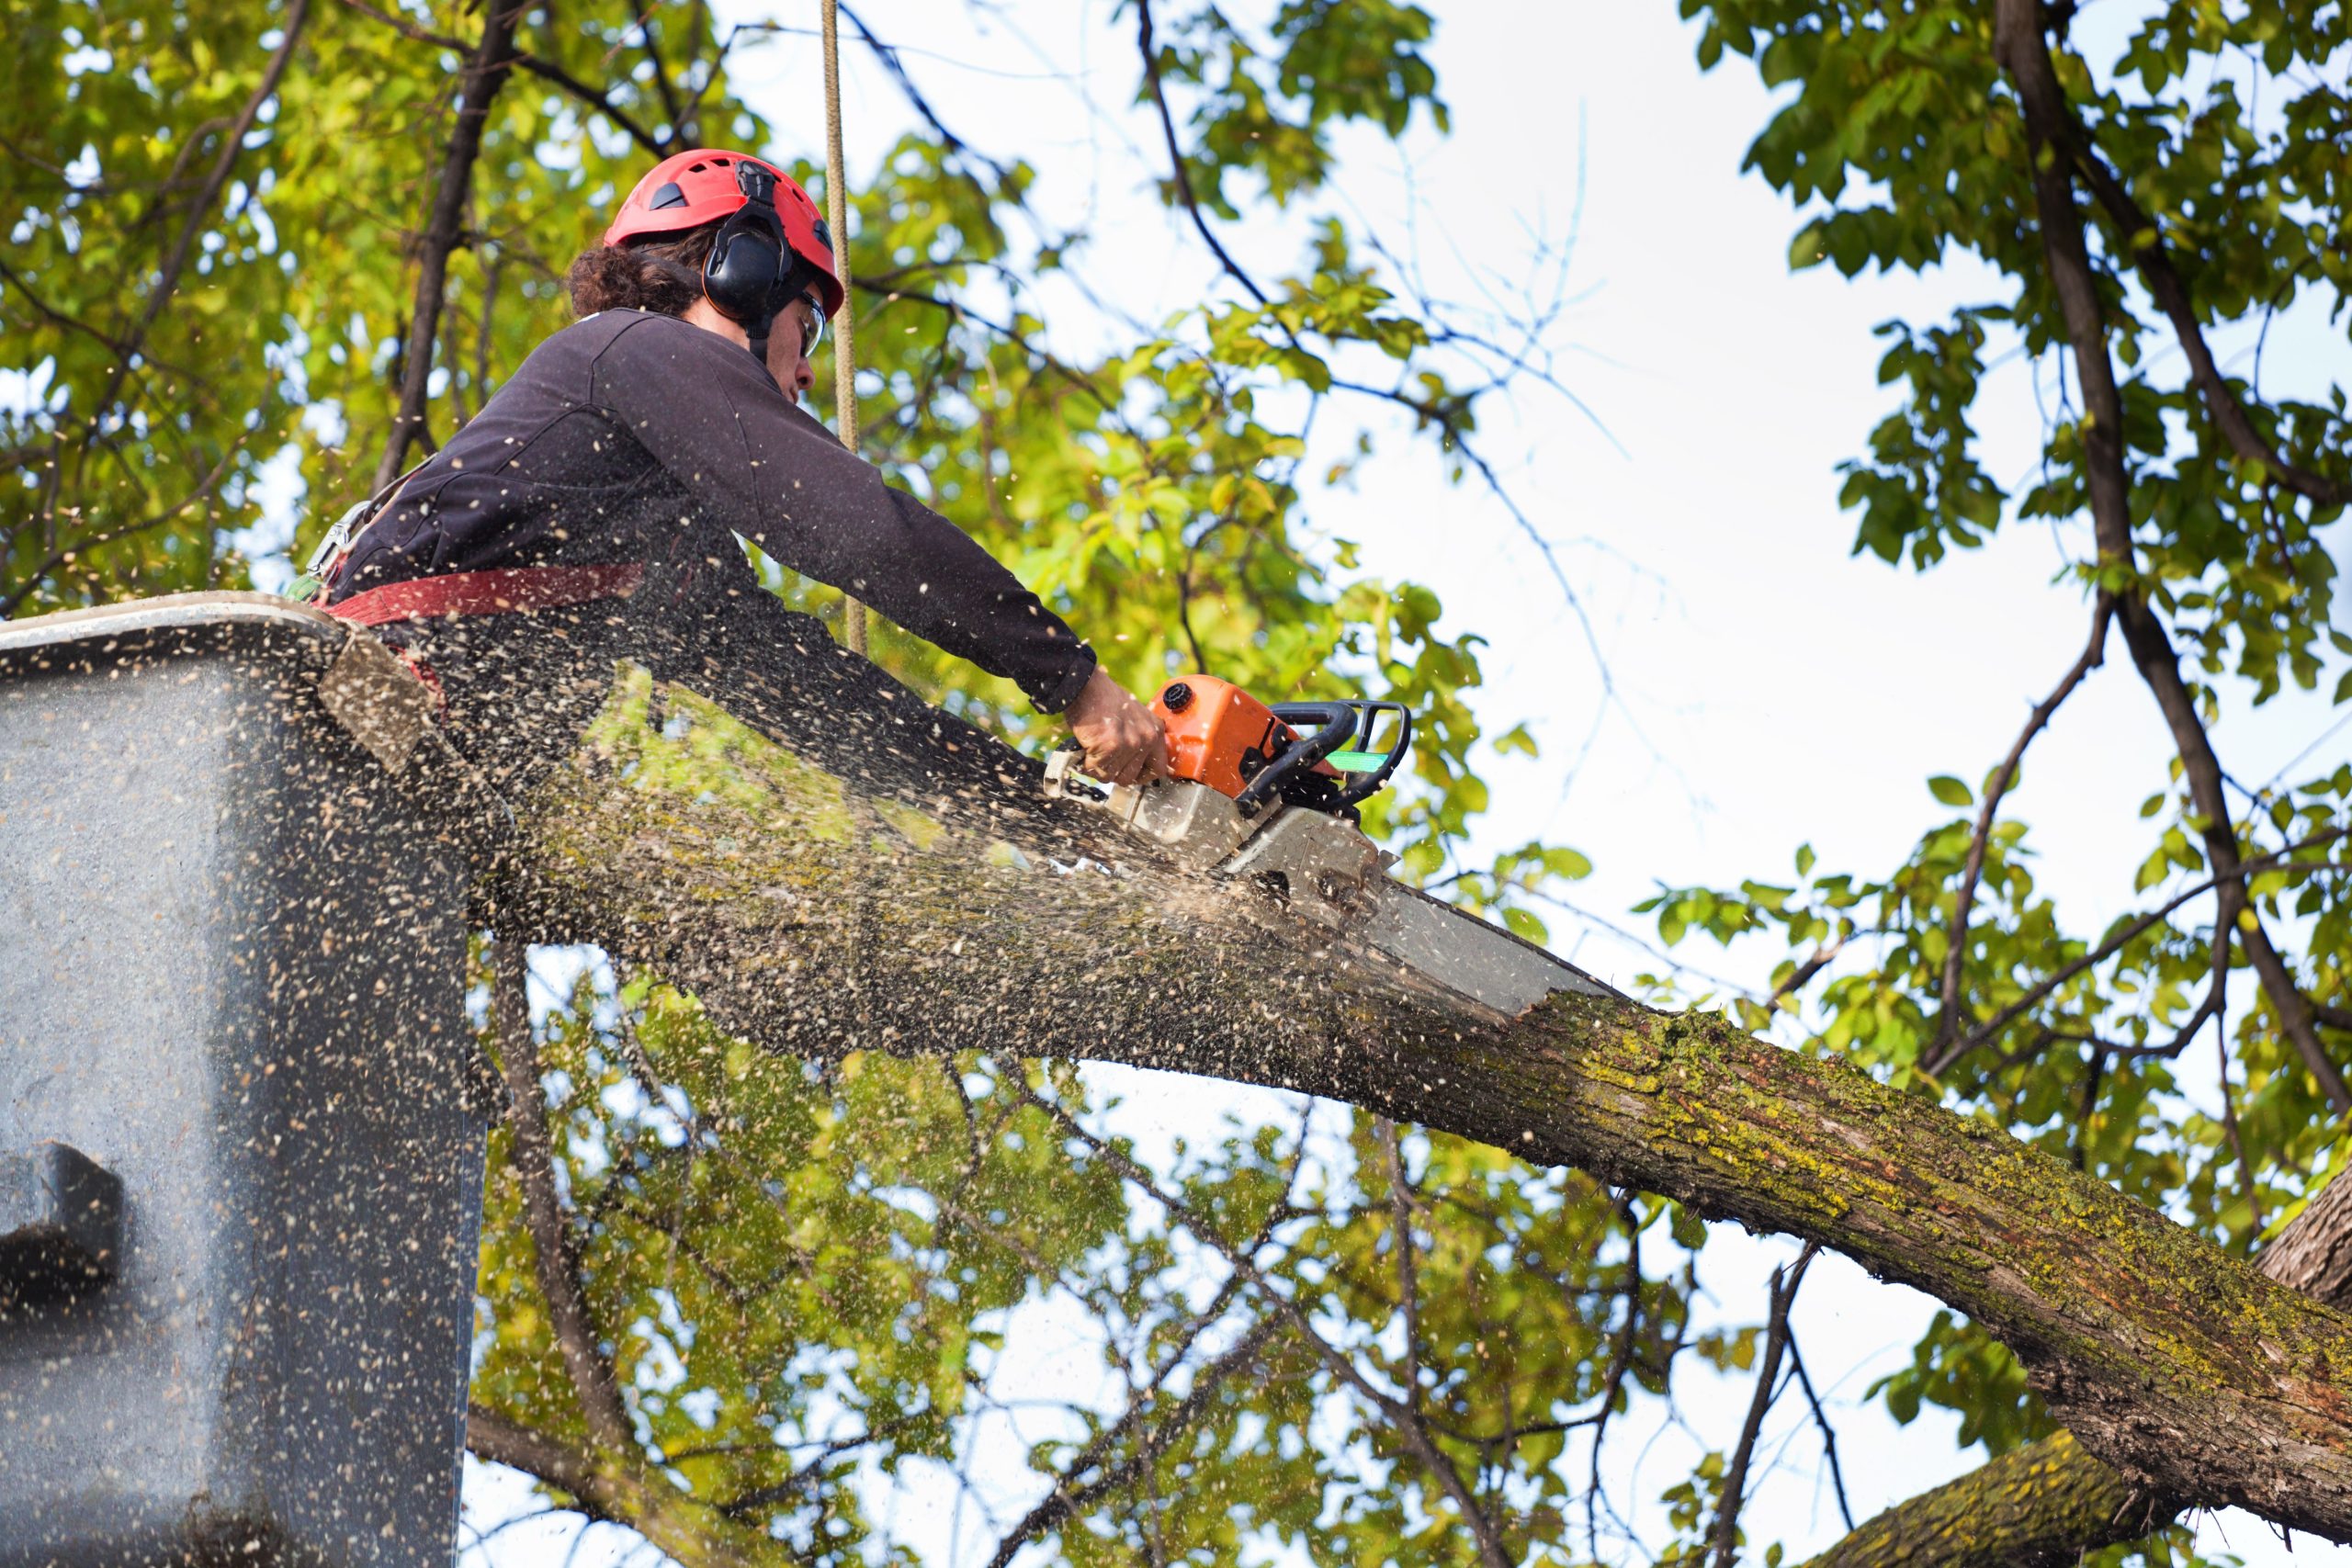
(662,275)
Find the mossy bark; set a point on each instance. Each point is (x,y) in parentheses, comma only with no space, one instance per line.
(2052,1502)
(931,902)
(2033,1507)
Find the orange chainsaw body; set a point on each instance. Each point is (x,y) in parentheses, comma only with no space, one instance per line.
(1220,735)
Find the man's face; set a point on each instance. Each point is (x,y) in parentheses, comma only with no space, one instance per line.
(791,343)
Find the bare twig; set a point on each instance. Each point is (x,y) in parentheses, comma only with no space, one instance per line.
(1828,1433)
(1183,179)
(1785,1281)
(1956,946)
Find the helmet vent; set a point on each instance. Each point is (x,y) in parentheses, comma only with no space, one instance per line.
(667,196)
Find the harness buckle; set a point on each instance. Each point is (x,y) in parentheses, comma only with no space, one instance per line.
(338,539)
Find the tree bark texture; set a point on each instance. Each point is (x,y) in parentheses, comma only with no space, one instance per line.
(830,864)
(2052,1502)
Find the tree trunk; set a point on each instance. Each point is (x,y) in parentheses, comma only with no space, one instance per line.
(2052,1502)
(860,870)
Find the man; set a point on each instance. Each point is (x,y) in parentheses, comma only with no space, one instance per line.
(643,437)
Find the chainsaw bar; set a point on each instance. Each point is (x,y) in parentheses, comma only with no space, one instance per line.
(1319,867)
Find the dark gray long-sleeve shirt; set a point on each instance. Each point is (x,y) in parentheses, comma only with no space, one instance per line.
(635,437)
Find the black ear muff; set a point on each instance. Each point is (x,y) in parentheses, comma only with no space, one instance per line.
(745,264)
(749,265)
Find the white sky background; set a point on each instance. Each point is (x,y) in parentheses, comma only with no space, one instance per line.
(1775,690)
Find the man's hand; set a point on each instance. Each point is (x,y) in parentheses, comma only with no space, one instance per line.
(1125,741)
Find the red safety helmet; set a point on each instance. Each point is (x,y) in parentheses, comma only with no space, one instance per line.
(690,189)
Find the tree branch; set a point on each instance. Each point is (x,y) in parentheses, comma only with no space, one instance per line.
(1785,1281)
(2144,243)
(592,1382)
(2051,1503)
(484,74)
(1407,1423)
(2018,44)
(540,66)
(2116,943)
(1183,178)
(1065,1500)
(1956,943)
(603,1488)
(2173,1360)
(1828,1432)
(168,277)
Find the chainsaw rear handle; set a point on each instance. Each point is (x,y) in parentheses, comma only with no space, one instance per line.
(1368,712)
(1337,722)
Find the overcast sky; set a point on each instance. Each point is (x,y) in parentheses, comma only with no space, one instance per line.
(1772,689)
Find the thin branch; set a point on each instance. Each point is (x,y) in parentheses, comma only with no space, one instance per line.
(1785,1281)
(407,28)
(1621,1364)
(533,1154)
(2144,241)
(51,313)
(484,74)
(548,70)
(2092,1079)
(537,65)
(1400,1209)
(167,278)
(1150,51)
(1956,944)
(32,579)
(604,1488)
(1796,980)
(1065,1500)
(2113,944)
(1828,1433)
(1410,1430)
(890,61)
(2237,1143)
(670,105)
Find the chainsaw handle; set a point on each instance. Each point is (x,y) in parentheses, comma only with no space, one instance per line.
(1368,784)
(1338,726)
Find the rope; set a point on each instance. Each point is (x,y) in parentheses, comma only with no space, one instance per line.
(844,334)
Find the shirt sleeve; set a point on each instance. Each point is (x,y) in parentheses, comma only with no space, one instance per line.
(711,416)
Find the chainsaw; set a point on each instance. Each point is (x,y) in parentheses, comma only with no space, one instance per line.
(1265,796)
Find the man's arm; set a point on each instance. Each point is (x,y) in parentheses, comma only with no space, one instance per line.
(708,415)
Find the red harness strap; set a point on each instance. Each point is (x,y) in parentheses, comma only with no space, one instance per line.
(496,592)
(502,592)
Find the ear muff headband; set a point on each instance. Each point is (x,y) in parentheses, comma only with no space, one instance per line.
(752,274)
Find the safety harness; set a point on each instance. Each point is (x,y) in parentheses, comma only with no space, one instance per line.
(497,591)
